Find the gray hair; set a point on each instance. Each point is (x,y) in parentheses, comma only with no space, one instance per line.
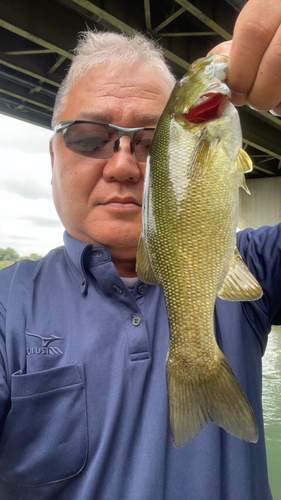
(96,48)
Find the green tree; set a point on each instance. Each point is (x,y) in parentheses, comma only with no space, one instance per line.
(5,263)
(9,254)
(32,256)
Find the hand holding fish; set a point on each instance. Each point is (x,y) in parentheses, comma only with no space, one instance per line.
(254,68)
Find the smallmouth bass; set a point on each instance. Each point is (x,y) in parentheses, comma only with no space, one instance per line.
(188,247)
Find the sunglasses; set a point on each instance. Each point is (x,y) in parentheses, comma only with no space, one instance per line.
(101,140)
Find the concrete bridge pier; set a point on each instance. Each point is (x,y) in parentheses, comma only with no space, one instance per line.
(263,206)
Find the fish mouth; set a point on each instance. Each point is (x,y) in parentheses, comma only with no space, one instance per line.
(206,108)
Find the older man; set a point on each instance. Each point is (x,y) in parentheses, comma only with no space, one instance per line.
(83,404)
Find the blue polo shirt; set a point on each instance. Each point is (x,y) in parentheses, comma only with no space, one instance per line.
(83,403)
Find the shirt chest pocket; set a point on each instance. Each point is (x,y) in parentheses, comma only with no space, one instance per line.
(45,434)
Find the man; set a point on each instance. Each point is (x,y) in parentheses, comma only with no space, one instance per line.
(83,404)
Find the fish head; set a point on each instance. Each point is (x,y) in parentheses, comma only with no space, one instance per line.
(201,95)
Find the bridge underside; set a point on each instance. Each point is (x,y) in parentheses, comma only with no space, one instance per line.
(37,39)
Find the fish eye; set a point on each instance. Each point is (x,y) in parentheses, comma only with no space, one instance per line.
(184,80)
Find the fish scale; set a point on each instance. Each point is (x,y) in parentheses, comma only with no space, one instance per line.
(187,247)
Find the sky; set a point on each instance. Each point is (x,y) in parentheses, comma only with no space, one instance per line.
(28,220)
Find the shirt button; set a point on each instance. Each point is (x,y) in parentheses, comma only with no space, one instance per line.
(136,320)
(83,281)
(141,289)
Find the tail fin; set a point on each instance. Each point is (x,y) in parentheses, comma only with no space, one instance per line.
(215,397)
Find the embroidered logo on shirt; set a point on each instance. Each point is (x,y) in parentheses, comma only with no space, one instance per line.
(45,345)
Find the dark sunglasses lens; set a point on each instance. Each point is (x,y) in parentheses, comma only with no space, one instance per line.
(141,142)
(101,141)
(89,139)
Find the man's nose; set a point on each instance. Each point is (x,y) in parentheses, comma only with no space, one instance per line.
(123,165)
(117,144)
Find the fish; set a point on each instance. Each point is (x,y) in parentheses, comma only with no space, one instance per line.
(187,247)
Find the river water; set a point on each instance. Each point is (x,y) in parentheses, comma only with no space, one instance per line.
(272,409)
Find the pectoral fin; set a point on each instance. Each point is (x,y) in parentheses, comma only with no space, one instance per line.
(239,283)
(143,264)
(202,154)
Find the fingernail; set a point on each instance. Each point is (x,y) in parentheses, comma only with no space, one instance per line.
(274,112)
(255,109)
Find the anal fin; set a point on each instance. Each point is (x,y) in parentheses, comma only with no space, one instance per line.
(239,283)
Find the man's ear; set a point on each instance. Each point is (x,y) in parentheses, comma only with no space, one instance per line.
(52,154)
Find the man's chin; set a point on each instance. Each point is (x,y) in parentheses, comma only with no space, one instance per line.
(124,237)
(123,245)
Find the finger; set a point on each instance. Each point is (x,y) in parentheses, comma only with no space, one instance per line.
(224,49)
(266,92)
(253,32)
(238,99)
(221,49)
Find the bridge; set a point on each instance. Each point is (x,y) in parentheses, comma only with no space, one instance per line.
(37,39)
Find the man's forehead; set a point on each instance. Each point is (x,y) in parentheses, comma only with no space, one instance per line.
(135,81)
(107,117)
(134,99)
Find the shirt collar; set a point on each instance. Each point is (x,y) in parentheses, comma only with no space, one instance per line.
(76,251)
(79,254)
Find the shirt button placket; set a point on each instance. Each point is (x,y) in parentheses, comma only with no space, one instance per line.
(141,289)
(136,320)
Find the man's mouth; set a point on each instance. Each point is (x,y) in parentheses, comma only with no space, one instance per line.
(127,203)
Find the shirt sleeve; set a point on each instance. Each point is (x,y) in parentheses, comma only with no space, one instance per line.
(261,251)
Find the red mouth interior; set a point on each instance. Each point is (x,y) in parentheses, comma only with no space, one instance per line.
(206,111)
